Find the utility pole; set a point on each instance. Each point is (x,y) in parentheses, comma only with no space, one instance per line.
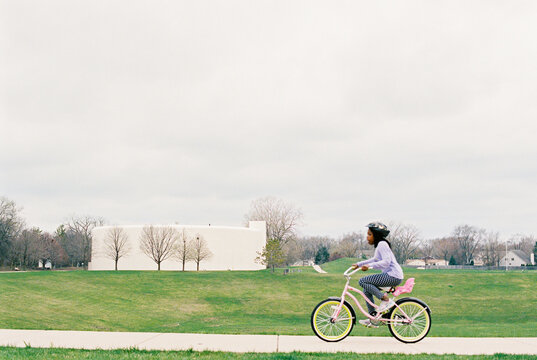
(506,241)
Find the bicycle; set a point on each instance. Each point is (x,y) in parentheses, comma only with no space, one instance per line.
(409,320)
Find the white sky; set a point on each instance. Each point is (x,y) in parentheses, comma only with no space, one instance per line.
(421,112)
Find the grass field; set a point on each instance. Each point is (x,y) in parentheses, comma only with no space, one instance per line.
(464,303)
(52,354)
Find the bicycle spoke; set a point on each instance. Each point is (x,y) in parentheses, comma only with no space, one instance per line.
(419,323)
(326,327)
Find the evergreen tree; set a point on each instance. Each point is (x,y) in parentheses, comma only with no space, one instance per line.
(272,254)
(322,255)
(452,260)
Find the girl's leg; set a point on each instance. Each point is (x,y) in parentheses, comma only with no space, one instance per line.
(371,284)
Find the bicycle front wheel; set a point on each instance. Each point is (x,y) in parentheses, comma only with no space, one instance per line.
(328,328)
(414,330)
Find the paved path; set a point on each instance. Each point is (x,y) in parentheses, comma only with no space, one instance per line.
(262,343)
(318,269)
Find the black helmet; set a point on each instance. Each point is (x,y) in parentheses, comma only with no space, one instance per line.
(379,228)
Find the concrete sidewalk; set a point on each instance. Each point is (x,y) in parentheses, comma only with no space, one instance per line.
(262,343)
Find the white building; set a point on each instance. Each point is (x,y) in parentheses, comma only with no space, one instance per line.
(233,248)
(516,258)
(430,262)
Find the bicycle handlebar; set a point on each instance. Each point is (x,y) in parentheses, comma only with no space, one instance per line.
(347,273)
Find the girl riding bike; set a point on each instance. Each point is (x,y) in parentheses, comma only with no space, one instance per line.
(408,318)
(384,260)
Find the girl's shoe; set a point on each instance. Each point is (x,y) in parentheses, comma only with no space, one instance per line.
(368,323)
(385,305)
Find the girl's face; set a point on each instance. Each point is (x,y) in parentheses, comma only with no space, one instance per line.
(370,238)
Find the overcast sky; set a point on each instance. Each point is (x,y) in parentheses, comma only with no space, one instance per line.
(422,112)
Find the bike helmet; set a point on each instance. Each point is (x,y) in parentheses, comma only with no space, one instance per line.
(378,227)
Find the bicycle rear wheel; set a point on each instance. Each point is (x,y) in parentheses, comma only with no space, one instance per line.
(415,330)
(326,327)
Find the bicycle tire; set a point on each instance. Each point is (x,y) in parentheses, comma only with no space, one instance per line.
(420,326)
(327,329)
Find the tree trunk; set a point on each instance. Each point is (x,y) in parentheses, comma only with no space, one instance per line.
(158,266)
(198,266)
(116,265)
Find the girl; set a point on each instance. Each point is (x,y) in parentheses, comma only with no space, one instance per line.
(384,260)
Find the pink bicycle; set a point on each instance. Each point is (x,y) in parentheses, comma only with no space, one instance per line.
(409,320)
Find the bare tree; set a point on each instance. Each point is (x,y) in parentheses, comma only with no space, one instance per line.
(158,243)
(52,250)
(24,247)
(347,246)
(492,249)
(444,247)
(426,250)
(310,245)
(350,245)
(183,249)
(72,243)
(11,224)
(200,250)
(282,218)
(405,240)
(522,242)
(468,239)
(116,244)
(293,251)
(82,226)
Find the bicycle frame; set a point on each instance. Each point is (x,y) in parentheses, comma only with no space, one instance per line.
(347,292)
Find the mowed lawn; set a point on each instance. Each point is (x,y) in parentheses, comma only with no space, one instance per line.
(463,303)
(133,354)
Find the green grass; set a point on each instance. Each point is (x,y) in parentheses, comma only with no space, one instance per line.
(464,303)
(53,354)
(338,266)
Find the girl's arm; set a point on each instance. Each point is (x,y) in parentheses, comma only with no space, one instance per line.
(375,258)
(383,257)
(366,262)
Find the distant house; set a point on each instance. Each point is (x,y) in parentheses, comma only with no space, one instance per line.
(516,258)
(46,266)
(430,262)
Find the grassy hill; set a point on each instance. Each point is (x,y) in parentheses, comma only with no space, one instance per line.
(464,303)
(339,266)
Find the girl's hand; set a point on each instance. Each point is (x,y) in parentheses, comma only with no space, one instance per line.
(365,267)
(354,266)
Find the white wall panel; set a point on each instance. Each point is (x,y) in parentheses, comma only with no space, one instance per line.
(233,248)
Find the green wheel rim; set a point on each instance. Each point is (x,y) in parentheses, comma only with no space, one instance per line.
(328,330)
(414,331)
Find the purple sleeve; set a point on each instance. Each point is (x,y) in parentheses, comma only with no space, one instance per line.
(369,261)
(383,257)
(365,262)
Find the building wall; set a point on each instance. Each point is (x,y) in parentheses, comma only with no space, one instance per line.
(512,259)
(431,262)
(233,248)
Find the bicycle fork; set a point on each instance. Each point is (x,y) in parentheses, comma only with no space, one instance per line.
(337,309)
